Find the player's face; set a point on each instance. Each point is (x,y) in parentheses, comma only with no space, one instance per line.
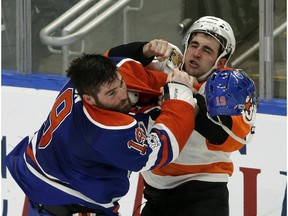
(113,96)
(201,54)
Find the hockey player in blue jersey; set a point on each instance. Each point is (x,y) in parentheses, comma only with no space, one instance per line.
(80,159)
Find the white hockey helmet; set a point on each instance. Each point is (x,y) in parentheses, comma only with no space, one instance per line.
(216,28)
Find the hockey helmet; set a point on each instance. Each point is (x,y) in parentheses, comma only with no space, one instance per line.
(217,28)
(231,92)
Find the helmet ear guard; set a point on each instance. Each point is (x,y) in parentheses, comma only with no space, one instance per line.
(231,92)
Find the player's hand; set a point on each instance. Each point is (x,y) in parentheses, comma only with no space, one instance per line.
(192,80)
(159,48)
(181,77)
(179,86)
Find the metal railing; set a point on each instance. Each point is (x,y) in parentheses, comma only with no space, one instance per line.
(282,28)
(79,26)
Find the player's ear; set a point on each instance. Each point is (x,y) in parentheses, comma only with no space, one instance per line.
(88,99)
(222,63)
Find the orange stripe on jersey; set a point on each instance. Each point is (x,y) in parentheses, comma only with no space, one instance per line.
(164,156)
(25,207)
(106,54)
(107,117)
(181,113)
(174,169)
(116,209)
(197,86)
(239,128)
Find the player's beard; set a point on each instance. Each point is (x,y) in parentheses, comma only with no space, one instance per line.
(124,106)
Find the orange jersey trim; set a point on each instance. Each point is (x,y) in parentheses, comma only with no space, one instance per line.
(174,169)
(239,128)
(106,117)
(165,152)
(180,112)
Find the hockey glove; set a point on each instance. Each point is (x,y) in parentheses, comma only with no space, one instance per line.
(179,91)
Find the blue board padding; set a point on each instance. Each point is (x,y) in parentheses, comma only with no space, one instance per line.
(55,82)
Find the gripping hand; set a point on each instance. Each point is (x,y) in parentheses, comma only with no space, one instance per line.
(179,86)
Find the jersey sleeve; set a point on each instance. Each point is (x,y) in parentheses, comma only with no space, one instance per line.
(216,138)
(130,50)
(212,132)
(140,79)
(126,143)
(240,129)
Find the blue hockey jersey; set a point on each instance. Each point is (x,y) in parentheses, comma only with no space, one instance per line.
(84,155)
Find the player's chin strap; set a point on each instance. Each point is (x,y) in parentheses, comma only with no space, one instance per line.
(243,141)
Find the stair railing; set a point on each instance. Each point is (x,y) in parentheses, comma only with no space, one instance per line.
(79,26)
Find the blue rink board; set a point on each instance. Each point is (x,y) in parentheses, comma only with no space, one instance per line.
(55,82)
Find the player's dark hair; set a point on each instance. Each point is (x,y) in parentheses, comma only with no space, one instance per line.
(89,71)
